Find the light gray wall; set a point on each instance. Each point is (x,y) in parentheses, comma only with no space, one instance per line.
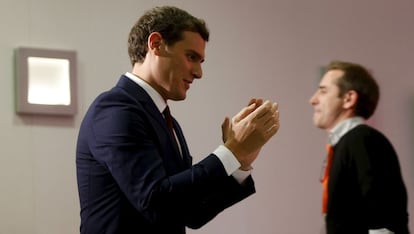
(268,48)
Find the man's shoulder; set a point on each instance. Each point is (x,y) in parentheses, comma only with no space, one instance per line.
(364,134)
(362,130)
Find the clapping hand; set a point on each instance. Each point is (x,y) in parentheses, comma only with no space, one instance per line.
(250,129)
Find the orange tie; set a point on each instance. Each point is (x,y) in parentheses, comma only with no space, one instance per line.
(325,178)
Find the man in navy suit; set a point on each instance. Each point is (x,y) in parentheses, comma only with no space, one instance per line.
(135,175)
(365,192)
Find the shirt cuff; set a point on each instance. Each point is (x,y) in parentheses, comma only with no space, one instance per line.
(380,231)
(231,164)
(229,161)
(240,175)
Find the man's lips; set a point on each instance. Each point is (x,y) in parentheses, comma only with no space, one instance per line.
(187,83)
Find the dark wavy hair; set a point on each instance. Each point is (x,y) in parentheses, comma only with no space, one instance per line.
(170,22)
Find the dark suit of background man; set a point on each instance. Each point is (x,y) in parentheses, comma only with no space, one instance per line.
(366,192)
(134,174)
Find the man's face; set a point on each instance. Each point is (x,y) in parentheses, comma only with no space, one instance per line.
(179,65)
(328,106)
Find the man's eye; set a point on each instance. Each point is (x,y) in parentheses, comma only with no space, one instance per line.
(192,57)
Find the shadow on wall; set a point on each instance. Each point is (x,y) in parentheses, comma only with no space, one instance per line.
(45,120)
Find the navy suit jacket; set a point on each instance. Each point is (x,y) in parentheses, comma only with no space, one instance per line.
(132,177)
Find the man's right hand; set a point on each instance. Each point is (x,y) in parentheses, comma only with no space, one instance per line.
(250,129)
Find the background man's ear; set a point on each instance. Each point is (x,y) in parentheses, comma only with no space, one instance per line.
(350,99)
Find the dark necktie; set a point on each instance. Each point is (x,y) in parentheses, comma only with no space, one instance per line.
(325,178)
(169,120)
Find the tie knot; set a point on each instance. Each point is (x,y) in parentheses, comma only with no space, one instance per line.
(168,118)
(167,111)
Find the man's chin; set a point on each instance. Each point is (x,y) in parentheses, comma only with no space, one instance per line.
(180,98)
(315,122)
(318,125)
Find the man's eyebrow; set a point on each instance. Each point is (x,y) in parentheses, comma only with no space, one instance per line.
(197,55)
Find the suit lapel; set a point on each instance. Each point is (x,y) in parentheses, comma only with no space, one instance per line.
(139,94)
(185,153)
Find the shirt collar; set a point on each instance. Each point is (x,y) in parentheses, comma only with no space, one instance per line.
(342,128)
(155,96)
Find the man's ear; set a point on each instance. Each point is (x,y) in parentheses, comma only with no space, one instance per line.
(155,43)
(350,99)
